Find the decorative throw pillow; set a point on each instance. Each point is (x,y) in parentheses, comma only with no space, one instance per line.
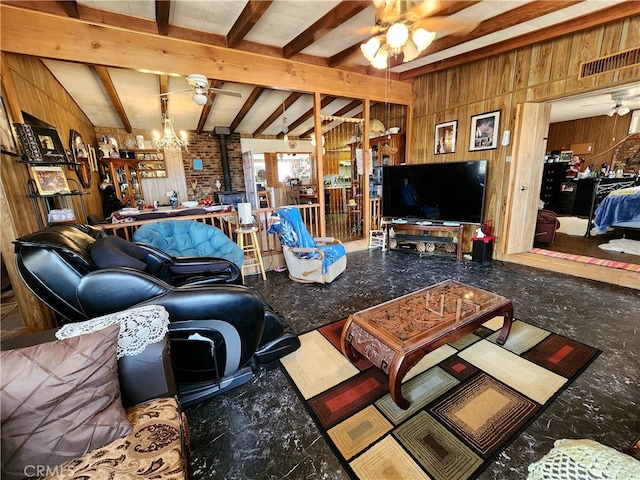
(59,400)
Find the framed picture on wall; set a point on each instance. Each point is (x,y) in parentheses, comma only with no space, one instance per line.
(41,144)
(50,180)
(566,155)
(445,137)
(484,131)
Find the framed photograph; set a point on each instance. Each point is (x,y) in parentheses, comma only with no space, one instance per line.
(445,139)
(41,144)
(50,180)
(8,143)
(80,156)
(77,145)
(566,155)
(485,129)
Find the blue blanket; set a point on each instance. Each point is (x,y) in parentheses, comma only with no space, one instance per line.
(293,233)
(616,209)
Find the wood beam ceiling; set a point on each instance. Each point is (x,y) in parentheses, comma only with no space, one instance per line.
(277,112)
(163,7)
(445,8)
(253,10)
(335,17)
(595,19)
(81,41)
(110,88)
(70,8)
(246,108)
(307,115)
(344,110)
(508,19)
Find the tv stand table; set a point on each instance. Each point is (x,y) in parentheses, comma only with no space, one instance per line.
(397,334)
(403,235)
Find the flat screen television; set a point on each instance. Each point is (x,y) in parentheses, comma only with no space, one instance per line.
(440,192)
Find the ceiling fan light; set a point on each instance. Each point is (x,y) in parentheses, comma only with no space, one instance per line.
(623,110)
(200,99)
(612,111)
(409,52)
(397,36)
(422,38)
(380,60)
(198,79)
(313,139)
(370,48)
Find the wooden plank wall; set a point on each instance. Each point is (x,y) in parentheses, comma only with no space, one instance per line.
(603,131)
(539,73)
(391,115)
(29,87)
(40,95)
(337,147)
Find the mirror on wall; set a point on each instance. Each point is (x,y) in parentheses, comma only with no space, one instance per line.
(343,199)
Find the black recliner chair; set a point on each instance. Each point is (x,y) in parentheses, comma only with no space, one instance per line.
(111,251)
(219,333)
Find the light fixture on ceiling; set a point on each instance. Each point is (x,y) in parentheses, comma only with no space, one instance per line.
(403,35)
(199,96)
(620,109)
(170,141)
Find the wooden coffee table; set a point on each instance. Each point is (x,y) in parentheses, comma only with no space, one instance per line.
(397,334)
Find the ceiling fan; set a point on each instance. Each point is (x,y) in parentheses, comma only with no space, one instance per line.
(404,27)
(619,108)
(200,87)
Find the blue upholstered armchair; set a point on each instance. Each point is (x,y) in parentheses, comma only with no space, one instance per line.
(188,238)
(309,259)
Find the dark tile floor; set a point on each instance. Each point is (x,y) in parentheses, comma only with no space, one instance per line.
(261,430)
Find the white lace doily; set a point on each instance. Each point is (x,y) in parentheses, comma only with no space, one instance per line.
(139,327)
(584,460)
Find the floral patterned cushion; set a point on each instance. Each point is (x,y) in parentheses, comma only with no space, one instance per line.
(155,449)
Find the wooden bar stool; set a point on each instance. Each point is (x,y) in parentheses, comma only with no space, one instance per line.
(251,249)
(263,196)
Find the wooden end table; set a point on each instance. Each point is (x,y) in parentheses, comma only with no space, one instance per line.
(397,334)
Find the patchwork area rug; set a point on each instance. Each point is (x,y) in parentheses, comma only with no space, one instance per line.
(468,400)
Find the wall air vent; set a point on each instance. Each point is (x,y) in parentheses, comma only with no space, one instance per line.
(611,63)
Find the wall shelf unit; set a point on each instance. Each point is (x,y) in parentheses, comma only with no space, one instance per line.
(151,163)
(125,176)
(44,204)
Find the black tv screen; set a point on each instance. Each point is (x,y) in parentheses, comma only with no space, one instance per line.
(442,192)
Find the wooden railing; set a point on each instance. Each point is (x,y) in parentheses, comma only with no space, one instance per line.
(228,223)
